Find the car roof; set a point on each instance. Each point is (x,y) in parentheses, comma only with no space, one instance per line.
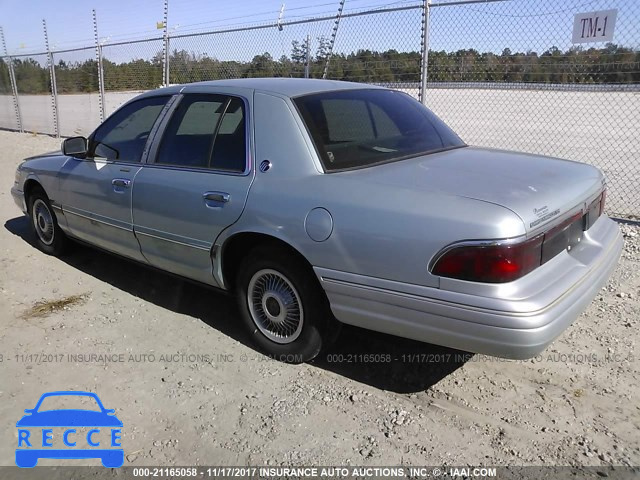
(290,87)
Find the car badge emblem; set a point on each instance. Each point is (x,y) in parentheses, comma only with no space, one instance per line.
(265,165)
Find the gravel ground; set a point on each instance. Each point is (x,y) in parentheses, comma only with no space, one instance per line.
(189,390)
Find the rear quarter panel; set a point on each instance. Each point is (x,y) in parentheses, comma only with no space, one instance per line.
(378,231)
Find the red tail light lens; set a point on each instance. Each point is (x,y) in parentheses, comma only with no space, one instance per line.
(505,262)
(492,263)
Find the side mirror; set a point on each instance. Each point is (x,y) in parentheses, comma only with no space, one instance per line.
(75,146)
(29,410)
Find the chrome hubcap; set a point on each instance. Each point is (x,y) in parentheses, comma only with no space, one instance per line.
(43,221)
(275,306)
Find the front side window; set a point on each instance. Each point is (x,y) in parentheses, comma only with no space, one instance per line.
(124,134)
(206,131)
(359,128)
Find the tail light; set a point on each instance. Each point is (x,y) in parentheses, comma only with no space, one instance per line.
(490,263)
(505,261)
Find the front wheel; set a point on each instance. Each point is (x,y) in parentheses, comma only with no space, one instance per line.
(283,306)
(49,236)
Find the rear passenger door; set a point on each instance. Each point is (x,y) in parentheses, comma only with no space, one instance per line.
(195,183)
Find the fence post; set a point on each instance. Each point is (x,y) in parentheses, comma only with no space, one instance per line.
(424,60)
(52,78)
(165,45)
(280,15)
(307,63)
(333,39)
(100,72)
(14,85)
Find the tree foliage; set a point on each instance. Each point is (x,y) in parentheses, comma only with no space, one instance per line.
(610,64)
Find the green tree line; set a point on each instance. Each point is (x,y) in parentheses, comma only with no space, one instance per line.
(610,64)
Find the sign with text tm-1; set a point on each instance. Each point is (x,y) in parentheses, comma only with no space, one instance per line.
(594,26)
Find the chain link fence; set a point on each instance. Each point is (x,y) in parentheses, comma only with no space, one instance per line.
(77,85)
(8,118)
(503,73)
(500,86)
(388,52)
(257,51)
(34,91)
(130,69)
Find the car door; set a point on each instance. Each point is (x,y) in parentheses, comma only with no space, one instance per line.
(195,183)
(96,190)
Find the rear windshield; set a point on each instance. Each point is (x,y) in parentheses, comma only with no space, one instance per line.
(359,128)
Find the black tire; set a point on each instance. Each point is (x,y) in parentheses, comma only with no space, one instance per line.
(273,271)
(48,235)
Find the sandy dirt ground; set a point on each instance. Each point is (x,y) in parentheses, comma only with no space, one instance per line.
(189,389)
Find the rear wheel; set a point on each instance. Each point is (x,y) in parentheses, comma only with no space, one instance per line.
(44,224)
(283,305)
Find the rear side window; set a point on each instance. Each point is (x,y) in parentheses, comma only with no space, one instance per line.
(359,128)
(229,147)
(200,117)
(206,131)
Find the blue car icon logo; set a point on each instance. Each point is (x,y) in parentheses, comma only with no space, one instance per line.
(41,431)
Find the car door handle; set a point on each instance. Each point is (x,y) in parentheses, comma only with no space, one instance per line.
(216,199)
(121,182)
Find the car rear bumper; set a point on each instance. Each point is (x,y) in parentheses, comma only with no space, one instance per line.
(512,326)
(18,197)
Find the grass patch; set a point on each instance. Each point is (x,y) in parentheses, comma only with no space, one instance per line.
(47,307)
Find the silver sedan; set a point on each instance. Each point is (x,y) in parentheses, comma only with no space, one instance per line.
(320,202)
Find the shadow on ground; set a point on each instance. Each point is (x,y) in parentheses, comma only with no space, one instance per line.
(382,361)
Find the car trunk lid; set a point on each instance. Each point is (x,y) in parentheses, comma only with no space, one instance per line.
(540,190)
